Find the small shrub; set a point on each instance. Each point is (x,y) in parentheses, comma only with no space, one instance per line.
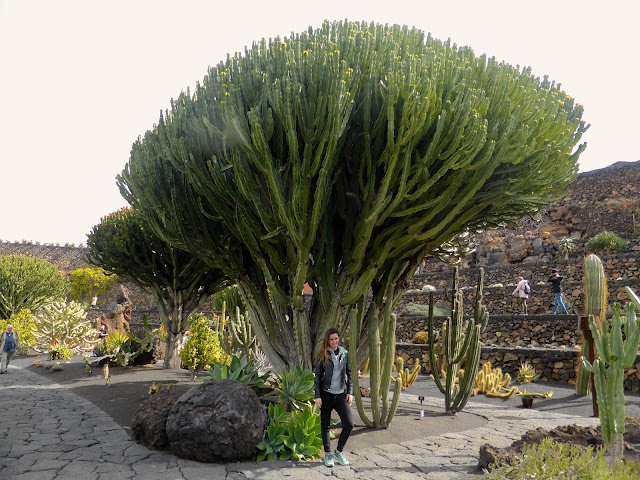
(421,338)
(202,349)
(60,352)
(555,461)
(606,242)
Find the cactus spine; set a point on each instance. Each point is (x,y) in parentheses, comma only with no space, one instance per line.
(595,292)
(615,353)
(461,347)
(381,355)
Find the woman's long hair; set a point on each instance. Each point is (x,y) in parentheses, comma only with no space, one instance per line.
(322,350)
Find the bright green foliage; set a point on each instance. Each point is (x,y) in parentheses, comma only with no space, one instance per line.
(559,461)
(60,352)
(342,157)
(122,349)
(595,293)
(30,283)
(202,349)
(242,369)
(606,242)
(382,352)
(291,436)
(461,341)
(294,388)
(617,345)
(23,323)
(124,244)
(63,324)
(87,282)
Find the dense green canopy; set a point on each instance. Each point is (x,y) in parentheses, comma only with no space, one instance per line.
(341,157)
(30,283)
(124,244)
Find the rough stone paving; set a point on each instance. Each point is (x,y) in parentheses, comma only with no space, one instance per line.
(47,432)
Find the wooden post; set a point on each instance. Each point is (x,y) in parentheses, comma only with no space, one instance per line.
(583,326)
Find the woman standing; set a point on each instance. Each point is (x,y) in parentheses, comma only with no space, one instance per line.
(521,291)
(334,391)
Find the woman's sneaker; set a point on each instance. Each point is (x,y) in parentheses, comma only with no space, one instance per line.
(339,456)
(328,460)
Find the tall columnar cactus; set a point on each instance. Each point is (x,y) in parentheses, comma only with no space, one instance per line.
(382,352)
(617,346)
(595,293)
(461,347)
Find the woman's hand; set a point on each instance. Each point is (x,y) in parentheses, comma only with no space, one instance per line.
(349,398)
(319,402)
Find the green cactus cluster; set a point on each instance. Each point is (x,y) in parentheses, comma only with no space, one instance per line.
(63,324)
(461,341)
(617,344)
(595,294)
(382,351)
(405,377)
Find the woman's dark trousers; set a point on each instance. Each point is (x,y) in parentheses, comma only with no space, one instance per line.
(337,402)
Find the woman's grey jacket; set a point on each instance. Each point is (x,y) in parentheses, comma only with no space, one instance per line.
(324,374)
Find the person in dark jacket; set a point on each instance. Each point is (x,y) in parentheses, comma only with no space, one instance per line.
(555,280)
(334,391)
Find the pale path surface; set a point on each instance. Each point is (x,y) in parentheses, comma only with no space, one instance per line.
(47,432)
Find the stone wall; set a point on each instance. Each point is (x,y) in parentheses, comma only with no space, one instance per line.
(508,330)
(557,364)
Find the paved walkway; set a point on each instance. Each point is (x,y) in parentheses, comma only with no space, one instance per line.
(47,432)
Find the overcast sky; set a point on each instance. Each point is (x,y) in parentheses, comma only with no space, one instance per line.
(81,80)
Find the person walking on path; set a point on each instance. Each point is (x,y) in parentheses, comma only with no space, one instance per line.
(8,342)
(334,391)
(555,280)
(522,290)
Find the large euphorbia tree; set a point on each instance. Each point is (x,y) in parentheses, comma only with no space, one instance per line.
(341,157)
(123,243)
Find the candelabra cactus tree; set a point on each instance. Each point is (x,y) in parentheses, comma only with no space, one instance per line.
(382,352)
(180,282)
(341,157)
(595,294)
(617,344)
(461,341)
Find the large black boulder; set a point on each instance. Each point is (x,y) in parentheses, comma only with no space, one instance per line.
(149,426)
(220,420)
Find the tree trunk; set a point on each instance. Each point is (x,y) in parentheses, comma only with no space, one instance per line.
(172,357)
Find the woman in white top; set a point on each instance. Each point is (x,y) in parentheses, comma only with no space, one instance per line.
(522,295)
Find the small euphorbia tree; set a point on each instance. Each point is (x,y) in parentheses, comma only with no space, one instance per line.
(124,244)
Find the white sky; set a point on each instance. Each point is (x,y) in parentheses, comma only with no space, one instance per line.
(81,80)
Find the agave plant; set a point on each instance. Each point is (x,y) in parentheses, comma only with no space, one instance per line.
(527,373)
(294,388)
(242,369)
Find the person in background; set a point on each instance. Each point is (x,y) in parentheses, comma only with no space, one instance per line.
(334,391)
(521,292)
(8,343)
(555,280)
